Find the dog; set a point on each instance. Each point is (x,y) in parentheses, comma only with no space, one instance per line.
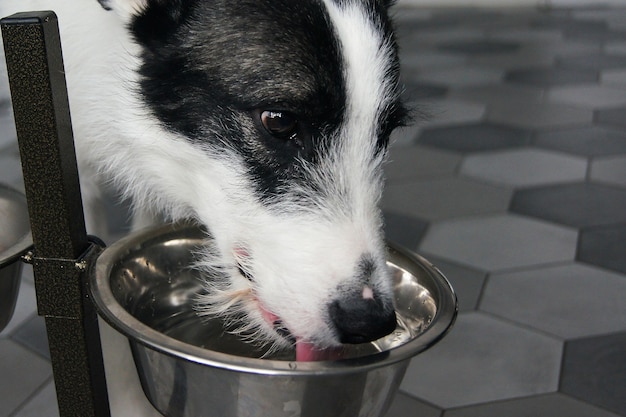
(266,121)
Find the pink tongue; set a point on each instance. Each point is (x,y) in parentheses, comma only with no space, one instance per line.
(308,352)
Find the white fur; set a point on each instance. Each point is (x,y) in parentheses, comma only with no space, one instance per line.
(298,251)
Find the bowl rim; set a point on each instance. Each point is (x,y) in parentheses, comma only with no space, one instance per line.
(12,253)
(137,332)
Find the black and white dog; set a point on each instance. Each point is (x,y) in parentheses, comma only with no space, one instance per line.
(267,121)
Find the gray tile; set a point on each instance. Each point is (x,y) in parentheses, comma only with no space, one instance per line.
(22,373)
(539,114)
(585,141)
(615,48)
(32,335)
(8,134)
(25,308)
(403,229)
(572,48)
(594,370)
(596,61)
(427,59)
(445,198)
(499,94)
(447,34)
(462,76)
(481,47)
(451,111)
(499,242)
(420,90)
(419,162)
(481,360)
(589,96)
(569,301)
(612,117)
(405,137)
(549,405)
(524,167)
(611,170)
(604,246)
(615,77)
(43,404)
(11,171)
(576,204)
(406,406)
(526,56)
(547,77)
(474,137)
(467,282)
(526,35)
(568,25)
(599,36)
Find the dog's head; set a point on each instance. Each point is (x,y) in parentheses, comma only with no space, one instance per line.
(282,112)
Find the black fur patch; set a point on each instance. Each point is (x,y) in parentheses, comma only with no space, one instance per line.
(210,66)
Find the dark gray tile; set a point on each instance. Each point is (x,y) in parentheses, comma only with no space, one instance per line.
(406,406)
(599,36)
(467,282)
(407,163)
(604,247)
(480,47)
(613,117)
(33,335)
(577,205)
(419,91)
(550,405)
(22,372)
(465,76)
(404,230)
(475,137)
(593,62)
(587,141)
(568,25)
(548,77)
(594,370)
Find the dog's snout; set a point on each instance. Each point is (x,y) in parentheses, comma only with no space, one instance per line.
(362,316)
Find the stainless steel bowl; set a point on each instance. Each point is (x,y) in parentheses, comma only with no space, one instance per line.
(14,241)
(143,285)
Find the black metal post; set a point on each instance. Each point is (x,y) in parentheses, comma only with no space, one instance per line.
(62,254)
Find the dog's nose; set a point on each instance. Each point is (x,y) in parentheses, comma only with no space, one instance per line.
(362,317)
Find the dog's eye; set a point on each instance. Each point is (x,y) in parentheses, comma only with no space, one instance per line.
(280,124)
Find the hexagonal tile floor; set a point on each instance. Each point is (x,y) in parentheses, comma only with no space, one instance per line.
(513,182)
